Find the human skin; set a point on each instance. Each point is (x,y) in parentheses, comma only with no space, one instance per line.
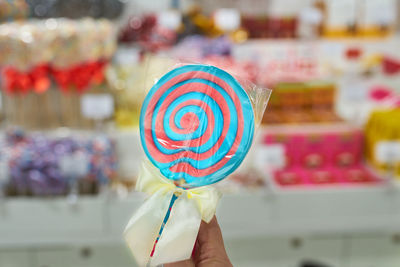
(209,250)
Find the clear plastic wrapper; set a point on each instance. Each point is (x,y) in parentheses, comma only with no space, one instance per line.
(197,124)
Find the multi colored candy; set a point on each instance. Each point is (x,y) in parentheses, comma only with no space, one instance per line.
(196,125)
(36,163)
(71,53)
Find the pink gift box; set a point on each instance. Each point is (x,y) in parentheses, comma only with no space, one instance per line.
(314,150)
(320,156)
(318,147)
(346,148)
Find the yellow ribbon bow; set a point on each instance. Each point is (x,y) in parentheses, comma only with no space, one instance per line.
(180,231)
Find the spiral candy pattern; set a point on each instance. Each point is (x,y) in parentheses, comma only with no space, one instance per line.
(196,125)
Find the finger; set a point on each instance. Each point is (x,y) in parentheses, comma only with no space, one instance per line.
(210,234)
(210,249)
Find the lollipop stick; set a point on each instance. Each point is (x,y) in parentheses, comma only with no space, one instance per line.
(16,114)
(30,110)
(20,114)
(76,110)
(171,203)
(70,108)
(58,106)
(64,108)
(53,107)
(9,114)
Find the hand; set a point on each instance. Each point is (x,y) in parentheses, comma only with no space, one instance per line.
(209,250)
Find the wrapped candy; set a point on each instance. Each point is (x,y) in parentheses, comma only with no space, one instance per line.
(196,126)
(102,159)
(74,53)
(40,165)
(71,55)
(34,169)
(60,43)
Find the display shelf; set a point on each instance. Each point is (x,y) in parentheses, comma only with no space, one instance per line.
(313,212)
(28,222)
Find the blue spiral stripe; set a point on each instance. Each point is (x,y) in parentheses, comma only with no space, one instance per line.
(244,144)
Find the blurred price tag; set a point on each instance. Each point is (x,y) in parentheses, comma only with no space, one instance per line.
(227,19)
(170,19)
(387,151)
(271,156)
(311,15)
(355,91)
(74,165)
(97,106)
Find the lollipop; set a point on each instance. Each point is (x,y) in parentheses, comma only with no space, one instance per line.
(196,125)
